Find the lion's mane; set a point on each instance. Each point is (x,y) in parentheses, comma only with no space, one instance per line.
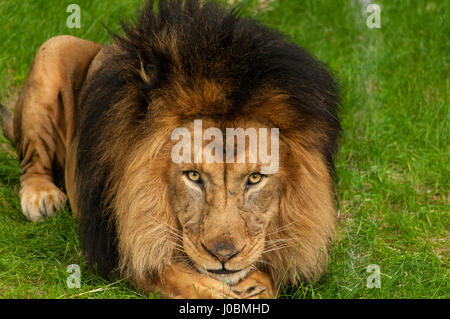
(187,60)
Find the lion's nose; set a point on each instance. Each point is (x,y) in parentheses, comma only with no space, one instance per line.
(222,249)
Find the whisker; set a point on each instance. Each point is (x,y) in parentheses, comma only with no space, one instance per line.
(281,244)
(276,247)
(281,240)
(264,262)
(171,228)
(280,229)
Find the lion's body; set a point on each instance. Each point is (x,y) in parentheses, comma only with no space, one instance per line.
(97,122)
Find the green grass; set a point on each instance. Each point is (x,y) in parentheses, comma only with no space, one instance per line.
(393,167)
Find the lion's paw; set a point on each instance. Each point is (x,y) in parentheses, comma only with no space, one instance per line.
(257,285)
(253,292)
(40,201)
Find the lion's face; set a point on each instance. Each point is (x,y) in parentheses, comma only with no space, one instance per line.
(225,218)
(223,210)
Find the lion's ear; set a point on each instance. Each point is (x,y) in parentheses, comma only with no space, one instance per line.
(153,71)
(147,66)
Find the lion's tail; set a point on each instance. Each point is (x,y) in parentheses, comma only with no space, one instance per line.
(6,120)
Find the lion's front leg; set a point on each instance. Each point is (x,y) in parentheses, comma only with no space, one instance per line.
(181,282)
(44,121)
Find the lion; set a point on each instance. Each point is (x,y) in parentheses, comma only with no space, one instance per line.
(94,124)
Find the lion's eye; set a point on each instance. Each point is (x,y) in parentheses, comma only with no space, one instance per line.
(193,176)
(254,178)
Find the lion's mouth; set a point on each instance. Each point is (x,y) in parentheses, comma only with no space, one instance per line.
(223,271)
(224,275)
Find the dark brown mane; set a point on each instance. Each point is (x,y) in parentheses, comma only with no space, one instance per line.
(187,60)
